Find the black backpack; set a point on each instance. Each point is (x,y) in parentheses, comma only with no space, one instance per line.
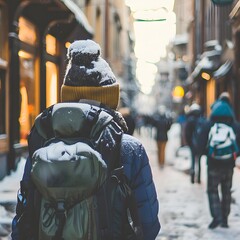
(79,177)
(199,135)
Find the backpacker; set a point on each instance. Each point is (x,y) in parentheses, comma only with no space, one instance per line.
(84,193)
(222,142)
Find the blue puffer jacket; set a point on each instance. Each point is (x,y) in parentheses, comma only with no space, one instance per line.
(138,171)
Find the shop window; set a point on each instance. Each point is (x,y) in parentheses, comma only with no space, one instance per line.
(27,31)
(52,89)
(2,103)
(27,93)
(51,45)
(51,84)
(29,81)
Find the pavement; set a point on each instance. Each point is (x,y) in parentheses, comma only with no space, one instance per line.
(184,212)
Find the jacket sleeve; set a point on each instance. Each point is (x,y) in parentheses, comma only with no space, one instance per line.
(21,223)
(138,171)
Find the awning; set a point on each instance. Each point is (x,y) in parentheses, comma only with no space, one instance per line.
(209,62)
(223,70)
(79,15)
(235,11)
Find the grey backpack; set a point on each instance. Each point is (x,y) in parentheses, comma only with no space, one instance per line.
(84,192)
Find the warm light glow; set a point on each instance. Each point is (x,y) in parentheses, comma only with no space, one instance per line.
(24,54)
(24,116)
(178,91)
(27,31)
(51,45)
(51,84)
(67,45)
(206,76)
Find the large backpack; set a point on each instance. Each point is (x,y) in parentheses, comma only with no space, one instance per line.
(84,192)
(222,143)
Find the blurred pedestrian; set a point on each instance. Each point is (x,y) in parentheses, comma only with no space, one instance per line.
(224,98)
(220,162)
(181,119)
(162,124)
(192,127)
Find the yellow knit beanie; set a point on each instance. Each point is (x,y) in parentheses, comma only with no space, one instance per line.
(88,76)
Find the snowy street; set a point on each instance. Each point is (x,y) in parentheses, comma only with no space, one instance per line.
(184,211)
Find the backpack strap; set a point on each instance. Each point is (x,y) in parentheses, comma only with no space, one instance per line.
(61,217)
(102,195)
(44,123)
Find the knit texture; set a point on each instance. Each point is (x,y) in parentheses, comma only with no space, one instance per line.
(89,76)
(108,95)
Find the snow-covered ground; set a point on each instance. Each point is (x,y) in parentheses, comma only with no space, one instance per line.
(184,211)
(8,192)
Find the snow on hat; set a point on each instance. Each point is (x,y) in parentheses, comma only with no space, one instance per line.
(89,76)
(224,96)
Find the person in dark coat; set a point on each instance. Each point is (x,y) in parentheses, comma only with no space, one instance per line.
(162,123)
(88,76)
(194,113)
(220,173)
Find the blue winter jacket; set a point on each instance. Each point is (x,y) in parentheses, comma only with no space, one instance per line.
(138,171)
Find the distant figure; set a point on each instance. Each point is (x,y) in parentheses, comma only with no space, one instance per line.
(162,123)
(192,123)
(222,141)
(182,121)
(224,98)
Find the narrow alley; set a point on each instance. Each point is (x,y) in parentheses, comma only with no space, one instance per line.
(184,212)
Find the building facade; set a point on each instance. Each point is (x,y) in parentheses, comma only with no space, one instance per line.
(34,39)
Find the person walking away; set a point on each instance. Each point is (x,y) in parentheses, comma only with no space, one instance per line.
(193,126)
(162,124)
(222,141)
(91,92)
(181,119)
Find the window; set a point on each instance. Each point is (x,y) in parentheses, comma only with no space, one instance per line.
(29,80)
(51,45)
(27,31)
(2,103)
(52,89)
(27,93)
(51,84)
